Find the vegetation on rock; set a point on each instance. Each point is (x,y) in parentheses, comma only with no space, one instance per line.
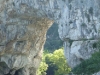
(89,66)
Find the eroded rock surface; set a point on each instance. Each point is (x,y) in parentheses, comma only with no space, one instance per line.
(81,31)
(23,26)
(22,36)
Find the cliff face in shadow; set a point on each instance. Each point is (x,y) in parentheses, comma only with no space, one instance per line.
(24,23)
(53,42)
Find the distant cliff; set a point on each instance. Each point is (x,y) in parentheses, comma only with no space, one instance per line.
(53,42)
(23,27)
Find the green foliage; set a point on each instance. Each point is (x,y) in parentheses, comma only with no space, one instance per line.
(89,66)
(43,67)
(53,64)
(57,62)
(94,45)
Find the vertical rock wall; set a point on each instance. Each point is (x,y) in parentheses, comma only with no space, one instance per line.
(22,36)
(23,25)
(81,31)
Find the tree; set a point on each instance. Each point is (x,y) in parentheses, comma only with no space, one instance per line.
(43,67)
(89,66)
(54,64)
(57,64)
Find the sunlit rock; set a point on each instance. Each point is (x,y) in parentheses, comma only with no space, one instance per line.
(24,23)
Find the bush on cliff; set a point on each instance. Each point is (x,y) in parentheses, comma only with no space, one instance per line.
(89,66)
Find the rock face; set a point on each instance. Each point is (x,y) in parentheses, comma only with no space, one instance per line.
(80,32)
(23,26)
(22,36)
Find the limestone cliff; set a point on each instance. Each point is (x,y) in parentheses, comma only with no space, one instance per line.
(22,36)
(23,25)
(80,32)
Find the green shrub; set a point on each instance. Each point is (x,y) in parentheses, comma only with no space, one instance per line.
(89,66)
(58,62)
(54,63)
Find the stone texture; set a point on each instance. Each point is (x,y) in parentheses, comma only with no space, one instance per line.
(82,30)
(23,26)
(22,36)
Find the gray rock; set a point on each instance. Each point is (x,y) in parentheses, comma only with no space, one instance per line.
(24,23)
